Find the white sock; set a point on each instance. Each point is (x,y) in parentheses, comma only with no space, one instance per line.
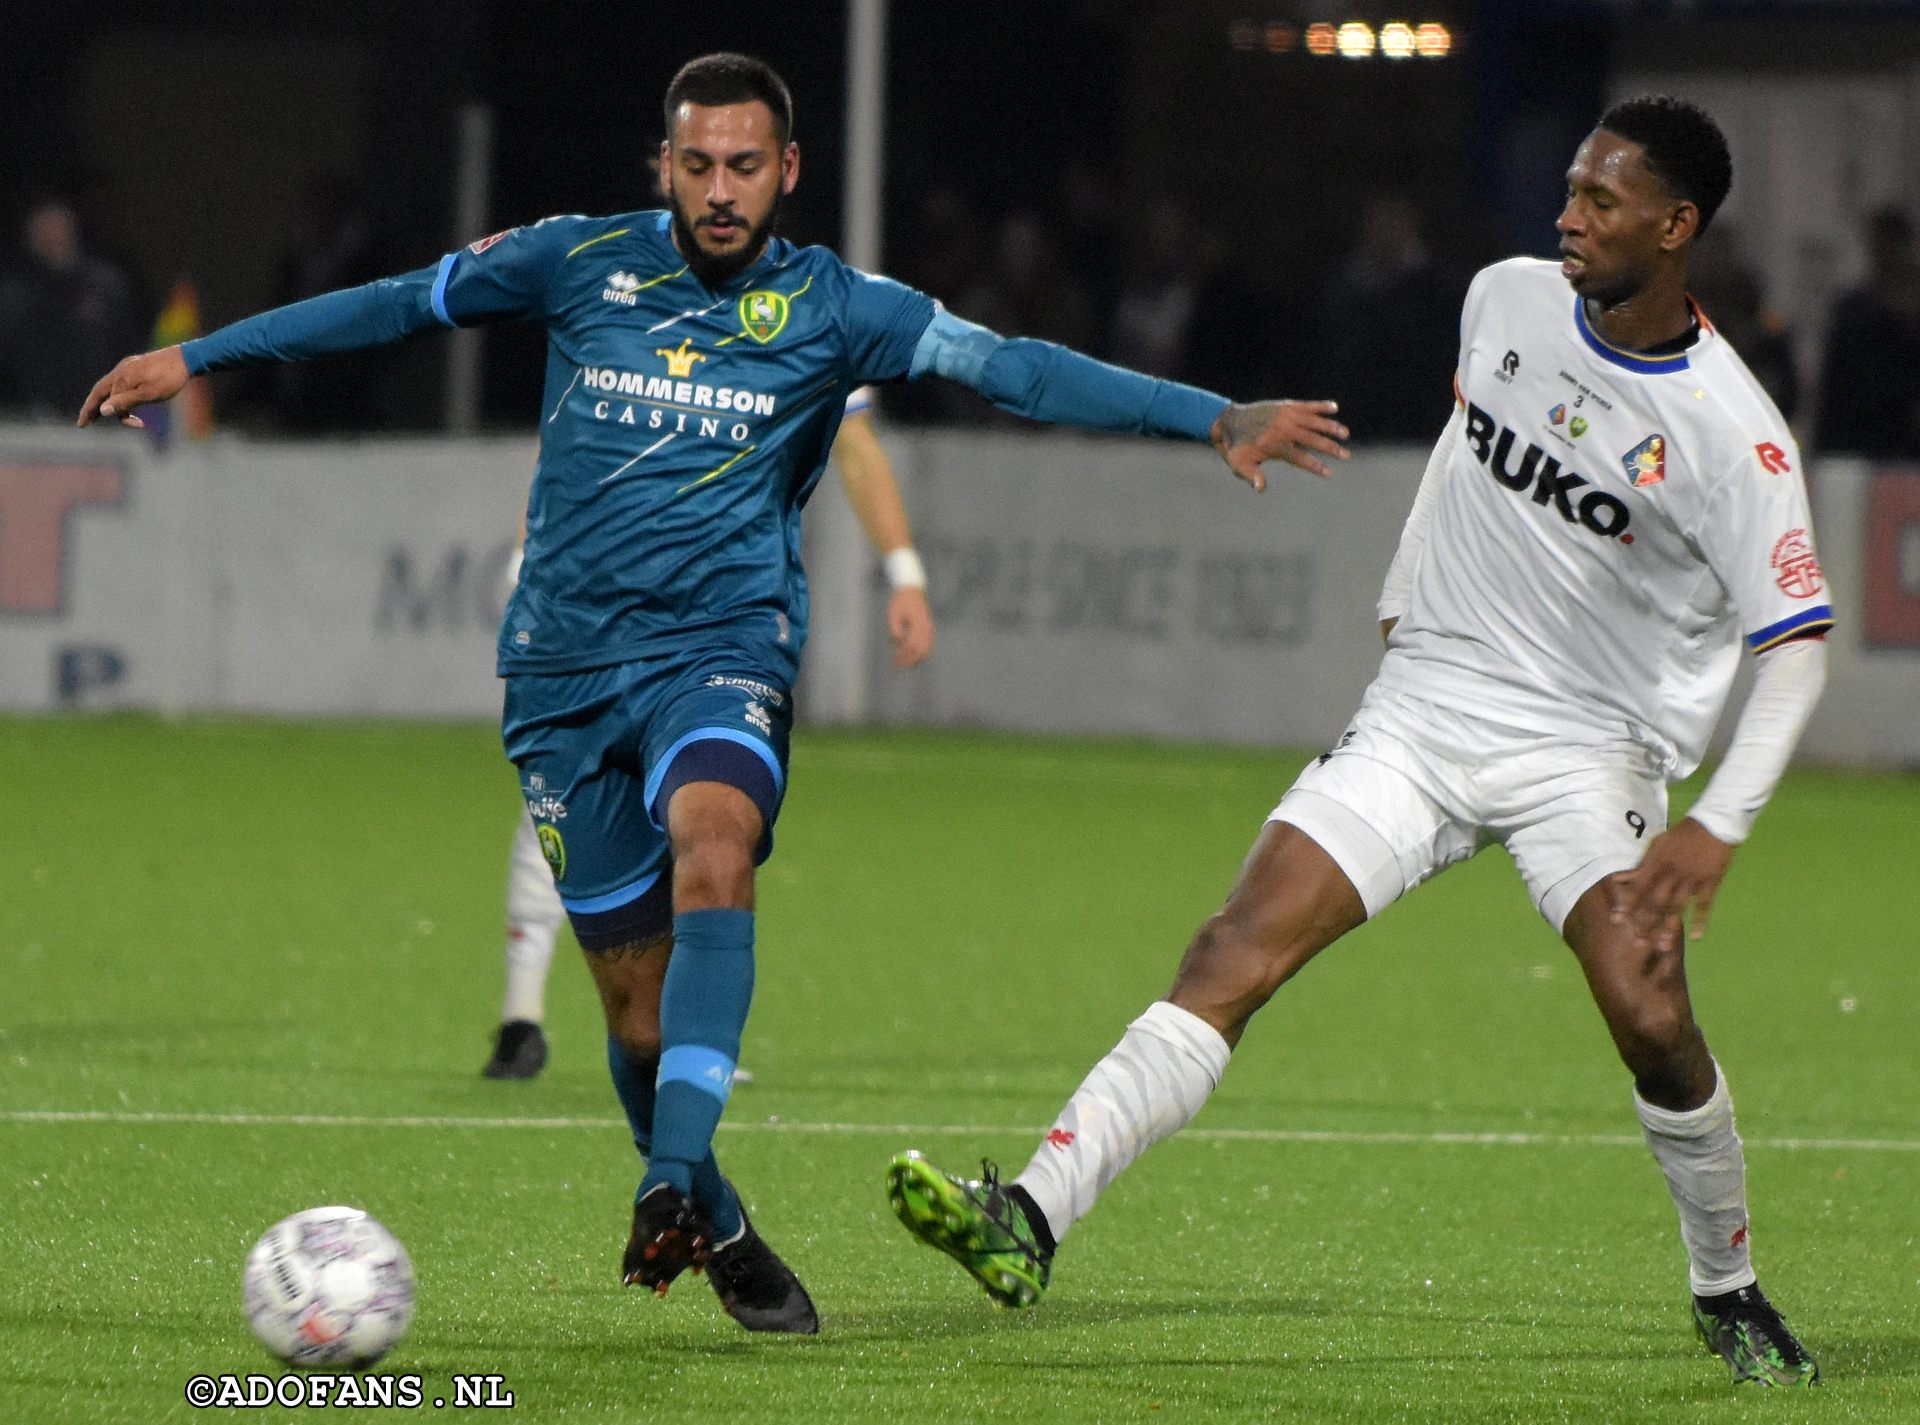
(1148,1087)
(534,914)
(1700,1153)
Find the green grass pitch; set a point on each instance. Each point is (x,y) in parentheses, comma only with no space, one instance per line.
(214,932)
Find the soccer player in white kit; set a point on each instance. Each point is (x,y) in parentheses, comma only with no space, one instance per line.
(1614,508)
(534,912)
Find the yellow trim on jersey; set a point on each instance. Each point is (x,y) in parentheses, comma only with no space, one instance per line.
(663,277)
(604,237)
(1819,625)
(717,471)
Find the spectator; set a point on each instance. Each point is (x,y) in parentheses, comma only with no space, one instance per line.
(943,256)
(1027,291)
(333,247)
(1153,318)
(65,316)
(1870,377)
(1091,220)
(1729,291)
(1387,328)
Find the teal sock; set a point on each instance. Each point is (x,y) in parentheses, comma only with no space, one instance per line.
(703,1009)
(633,1078)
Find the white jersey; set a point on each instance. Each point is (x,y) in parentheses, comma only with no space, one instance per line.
(1599,531)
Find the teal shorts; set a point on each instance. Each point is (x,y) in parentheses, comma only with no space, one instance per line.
(601,753)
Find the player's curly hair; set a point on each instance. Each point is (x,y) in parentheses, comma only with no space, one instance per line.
(1684,147)
(715,79)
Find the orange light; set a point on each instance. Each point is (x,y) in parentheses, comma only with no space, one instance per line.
(1433,41)
(1321,39)
(1281,38)
(1396,40)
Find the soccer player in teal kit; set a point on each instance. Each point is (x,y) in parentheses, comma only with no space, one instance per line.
(697,370)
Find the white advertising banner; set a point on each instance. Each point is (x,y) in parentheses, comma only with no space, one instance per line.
(1122,586)
(334,578)
(1101,586)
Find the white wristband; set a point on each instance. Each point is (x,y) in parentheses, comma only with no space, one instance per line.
(904,569)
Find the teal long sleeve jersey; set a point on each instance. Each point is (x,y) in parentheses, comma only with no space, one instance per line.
(683,428)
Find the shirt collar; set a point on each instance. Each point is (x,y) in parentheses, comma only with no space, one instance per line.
(1646,363)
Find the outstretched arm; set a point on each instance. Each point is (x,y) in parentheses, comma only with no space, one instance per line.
(349,320)
(867,474)
(1046,382)
(504,275)
(1684,866)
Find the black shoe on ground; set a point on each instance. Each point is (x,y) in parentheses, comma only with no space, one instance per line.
(758,1289)
(1743,1329)
(519,1053)
(669,1237)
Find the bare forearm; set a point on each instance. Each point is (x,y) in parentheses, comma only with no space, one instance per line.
(867,476)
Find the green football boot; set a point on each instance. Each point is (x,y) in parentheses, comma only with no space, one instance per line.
(1743,1329)
(978,1224)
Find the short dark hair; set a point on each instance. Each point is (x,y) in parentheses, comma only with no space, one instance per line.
(1684,148)
(715,79)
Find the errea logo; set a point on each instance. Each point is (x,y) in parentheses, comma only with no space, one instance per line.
(621,288)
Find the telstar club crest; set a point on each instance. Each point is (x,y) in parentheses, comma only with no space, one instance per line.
(1646,463)
(763,315)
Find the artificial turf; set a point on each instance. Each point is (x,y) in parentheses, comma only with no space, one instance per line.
(248,967)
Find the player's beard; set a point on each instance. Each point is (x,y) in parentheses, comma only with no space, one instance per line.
(717,270)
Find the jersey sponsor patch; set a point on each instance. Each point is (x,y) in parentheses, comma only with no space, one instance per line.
(1540,476)
(1795,569)
(476,248)
(1646,463)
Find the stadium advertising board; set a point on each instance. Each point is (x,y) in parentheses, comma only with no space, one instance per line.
(1080,585)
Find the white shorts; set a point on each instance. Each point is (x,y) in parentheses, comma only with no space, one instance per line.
(1412,788)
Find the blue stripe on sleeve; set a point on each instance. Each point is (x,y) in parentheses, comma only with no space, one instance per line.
(1821,615)
(439,298)
(1047,382)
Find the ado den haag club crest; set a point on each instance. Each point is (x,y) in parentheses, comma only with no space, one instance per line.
(763,315)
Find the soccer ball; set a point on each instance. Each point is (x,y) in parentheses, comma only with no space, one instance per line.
(328,1287)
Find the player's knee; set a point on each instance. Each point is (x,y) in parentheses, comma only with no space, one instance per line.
(714,872)
(636,1033)
(633,1018)
(714,831)
(1656,1038)
(1243,958)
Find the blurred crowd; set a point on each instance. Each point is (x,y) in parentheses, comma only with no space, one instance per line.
(1159,289)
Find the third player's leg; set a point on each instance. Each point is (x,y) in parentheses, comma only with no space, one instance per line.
(1291,901)
(1642,994)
